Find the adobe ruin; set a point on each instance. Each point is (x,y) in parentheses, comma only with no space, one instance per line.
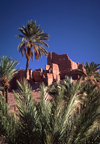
(58,66)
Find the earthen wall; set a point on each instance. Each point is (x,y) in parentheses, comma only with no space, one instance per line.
(63,61)
(58,66)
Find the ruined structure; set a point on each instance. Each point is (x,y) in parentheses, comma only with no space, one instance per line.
(58,66)
(65,64)
(63,61)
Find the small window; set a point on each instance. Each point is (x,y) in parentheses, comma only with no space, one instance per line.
(63,58)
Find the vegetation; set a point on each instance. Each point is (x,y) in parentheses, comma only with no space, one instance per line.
(7,72)
(91,67)
(72,117)
(32,37)
(92,72)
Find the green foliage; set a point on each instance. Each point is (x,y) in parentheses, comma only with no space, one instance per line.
(7,67)
(72,117)
(32,37)
(91,67)
(7,72)
(9,124)
(1,88)
(92,72)
(27,115)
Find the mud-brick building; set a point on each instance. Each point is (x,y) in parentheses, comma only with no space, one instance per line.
(58,66)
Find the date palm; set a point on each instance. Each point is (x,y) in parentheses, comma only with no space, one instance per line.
(92,71)
(33,42)
(7,72)
(53,122)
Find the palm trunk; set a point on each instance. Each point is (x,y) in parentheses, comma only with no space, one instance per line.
(27,64)
(3,92)
(6,95)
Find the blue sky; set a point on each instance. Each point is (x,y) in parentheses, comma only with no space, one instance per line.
(73,26)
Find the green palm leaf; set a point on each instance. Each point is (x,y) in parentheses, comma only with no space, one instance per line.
(32,39)
(75,120)
(7,72)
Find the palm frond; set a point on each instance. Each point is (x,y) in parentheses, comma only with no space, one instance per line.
(7,72)
(20,36)
(9,125)
(32,36)
(42,42)
(7,66)
(31,116)
(21,45)
(43,50)
(43,35)
(23,31)
(75,120)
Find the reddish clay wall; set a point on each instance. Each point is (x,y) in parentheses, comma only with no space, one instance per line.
(58,67)
(19,76)
(63,61)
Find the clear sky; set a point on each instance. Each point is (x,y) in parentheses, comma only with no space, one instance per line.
(73,26)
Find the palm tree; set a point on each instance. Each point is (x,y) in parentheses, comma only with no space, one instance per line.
(9,125)
(32,36)
(53,122)
(7,72)
(91,67)
(92,72)
(77,120)
(66,85)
